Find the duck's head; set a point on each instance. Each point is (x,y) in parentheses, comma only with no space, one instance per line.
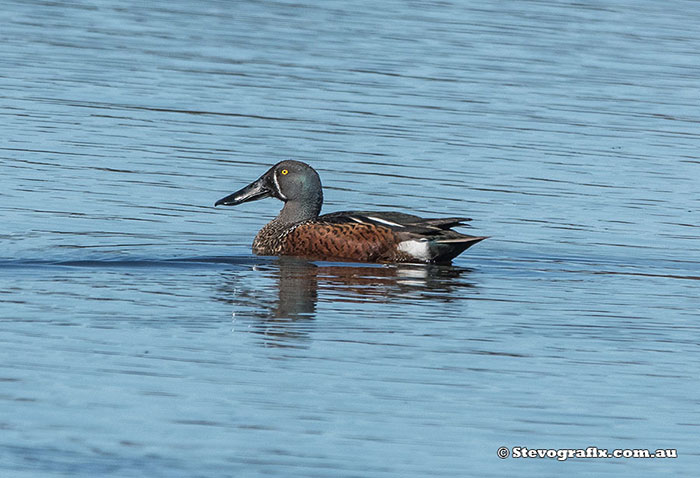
(294,182)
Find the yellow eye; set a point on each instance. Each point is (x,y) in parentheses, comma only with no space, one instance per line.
(284,172)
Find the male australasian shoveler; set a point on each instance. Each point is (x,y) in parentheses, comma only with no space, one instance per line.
(361,236)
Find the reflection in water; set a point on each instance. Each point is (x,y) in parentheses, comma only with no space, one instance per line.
(286,320)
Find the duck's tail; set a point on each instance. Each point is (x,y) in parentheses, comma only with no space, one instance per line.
(444,250)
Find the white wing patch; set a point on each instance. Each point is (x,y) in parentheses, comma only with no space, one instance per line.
(383,221)
(415,248)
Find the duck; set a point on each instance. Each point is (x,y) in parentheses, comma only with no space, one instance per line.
(354,236)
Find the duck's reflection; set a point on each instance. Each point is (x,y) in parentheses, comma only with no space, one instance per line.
(287,318)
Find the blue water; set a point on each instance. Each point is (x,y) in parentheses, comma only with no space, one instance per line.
(140,337)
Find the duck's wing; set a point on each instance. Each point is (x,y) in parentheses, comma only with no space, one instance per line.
(396,221)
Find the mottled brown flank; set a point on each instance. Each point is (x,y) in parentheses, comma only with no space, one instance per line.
(357,242)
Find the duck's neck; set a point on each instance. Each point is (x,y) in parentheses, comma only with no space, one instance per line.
(295,211)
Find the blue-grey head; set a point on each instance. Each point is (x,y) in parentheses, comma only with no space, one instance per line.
(295,183)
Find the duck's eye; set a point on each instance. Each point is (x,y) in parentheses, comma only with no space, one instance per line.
(284,172)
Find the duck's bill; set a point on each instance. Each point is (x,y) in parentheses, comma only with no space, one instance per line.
(252,192)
